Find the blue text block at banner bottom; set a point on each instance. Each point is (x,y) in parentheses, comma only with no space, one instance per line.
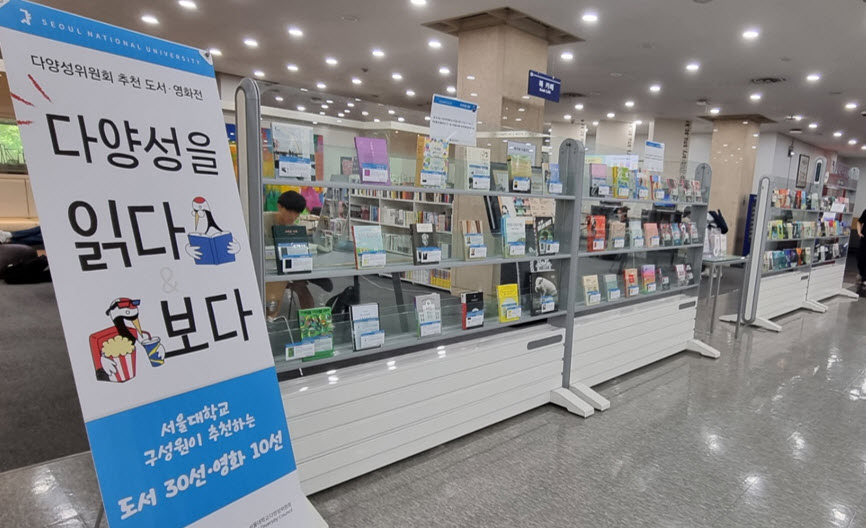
(177,460)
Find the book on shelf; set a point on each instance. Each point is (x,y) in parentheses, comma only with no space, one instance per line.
(508,302)
(317,334)
(293,146)
(292,249)
(366,332)
(642,187)
(596,232)
(369,246)
(429,313)
(373,160)
(425,244)
(635,234)
(694,234)
(676,234)
(697,193)
(478,168)
(651,234)
(214,248)
(690,276)
(667,236)
(545,294)
(648,278)
(681,275)
(599,180)
(685,234)
(519,172)
(616,234)
(473,239)
(612,290)
(663,280)
(591,290)
(630,282)
(685,190)
(513,236)
(658,188)
(622,182)
(431,163)
(673,189)
(472,308)
(552,181)
(545,236)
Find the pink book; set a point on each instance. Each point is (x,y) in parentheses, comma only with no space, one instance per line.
(373,160)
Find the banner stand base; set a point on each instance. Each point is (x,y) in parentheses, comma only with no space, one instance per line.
(315,517)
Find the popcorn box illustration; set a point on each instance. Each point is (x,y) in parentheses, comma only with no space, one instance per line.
(110,344)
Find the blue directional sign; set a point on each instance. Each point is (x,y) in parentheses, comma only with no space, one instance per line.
(544,86)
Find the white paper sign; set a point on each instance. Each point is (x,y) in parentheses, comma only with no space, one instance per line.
(373,340)
(654,157)
(151,267)
(453,120)
(300,350)
(477,252)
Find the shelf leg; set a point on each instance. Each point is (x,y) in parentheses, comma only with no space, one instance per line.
(569,400)
(730,318)
(693,345)
(848,293)
(815,306)
(587,394)
(766,324)
(315,516)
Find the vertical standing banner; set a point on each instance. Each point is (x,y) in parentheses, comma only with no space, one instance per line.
(142,222)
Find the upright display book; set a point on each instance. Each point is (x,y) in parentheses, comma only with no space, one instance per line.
(545,239)
(429,313)
(508,300)
(651,234)
(635,234)
(293,145)
(591,291)
(425,244)
(366,332)
(616,234)
(519,172)
(472,306)
(373,160)
(317,329)
(599,181)
(513,236)
(622,182)
(431,162)
(369,247)
(667,236)
(596,233)
(630,281)
(292,249)
(612,290)
(648,278)
(473,239)
(545,294)
(478,168)
(681,275)
(214,248)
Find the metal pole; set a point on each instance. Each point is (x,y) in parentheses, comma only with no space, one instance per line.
(571,164)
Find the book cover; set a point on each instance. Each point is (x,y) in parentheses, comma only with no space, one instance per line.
(666,233)
(630,282)
(317,328)
(292,249)
(596,233)
(425,244)
(694,234)
(663,280)
(478,168)
(519,172)
(685,233)
(622,182)
(294,146)
(697,193)
(648,278)
(642,187)
(690,276)
(545,294)
(513,236)
(431,164)
(635,233)
(508,301)
(616,234)
(366,332)
(429,313)
(473,239)
(599,181)
(373,160)
(676,234)
(369,246)
(612,290)
(673,189)
(214,248)
(545,236)
(681,275)
(591,291)
(472,306)
(651,234)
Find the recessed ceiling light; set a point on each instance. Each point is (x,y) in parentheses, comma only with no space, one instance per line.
(444,70)
(330,61)
(278,98)
(378,53)
(321,113)
(324,107)
(629,104)
(215,52)
(259,73)
(149,19)
(852,141)
(567,117)
(376,120)
(419,2)
(521,109)
(410,93)
(524,97)
(329,101)
(813,77)
(862,147)
(350,105)
(473,94)
(433,43)
(321,85)
(518,119)
(566,55)
(292,67)
(745,122)
(693,66)
(426,118)
(347,111)
(187,4)
(851,106)
(356,80)
(595,123)
(838,133)
(301,108)
(715,111)
(358,99)
(401,119)
(396,76)
(611,115)
(813,125)
(470,77)
(798,117)
(341,114)
(578,106)
(315,122)
(251,42)
(451,89)
(638,122)
(751,34)
(756,96)
(304,90)
(296,31)
(391,112)
(590,17)
(655,88)
(365,113)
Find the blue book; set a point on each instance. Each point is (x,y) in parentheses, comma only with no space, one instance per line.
(214,249)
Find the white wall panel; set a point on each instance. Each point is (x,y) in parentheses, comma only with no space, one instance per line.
(826,281)
(781,294)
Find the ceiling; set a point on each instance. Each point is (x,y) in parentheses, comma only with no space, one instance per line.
(633,45)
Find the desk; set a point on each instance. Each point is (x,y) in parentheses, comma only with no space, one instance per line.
(714,263)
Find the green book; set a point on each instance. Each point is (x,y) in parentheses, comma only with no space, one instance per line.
(317,329)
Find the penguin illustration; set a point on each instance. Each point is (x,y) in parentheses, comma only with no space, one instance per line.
(201,212)
(113,349)
(201,209)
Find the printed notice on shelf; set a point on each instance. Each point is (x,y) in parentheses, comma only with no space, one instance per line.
(613,294)
(153,275)
(637,242)
(372,340)
(453,120)
(654,157)
(300,350)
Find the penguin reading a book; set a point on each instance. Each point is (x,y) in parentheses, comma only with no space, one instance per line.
(208,243)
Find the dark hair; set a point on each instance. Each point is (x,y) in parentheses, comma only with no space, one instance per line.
(292,201)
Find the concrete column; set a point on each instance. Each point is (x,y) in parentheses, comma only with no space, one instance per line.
(562,131)
(614,137)
(674,133)
(733,161)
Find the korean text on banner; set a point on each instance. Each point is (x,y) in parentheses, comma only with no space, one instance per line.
(163,320)
(453,120)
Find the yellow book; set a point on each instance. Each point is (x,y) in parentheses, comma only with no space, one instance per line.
(509,302)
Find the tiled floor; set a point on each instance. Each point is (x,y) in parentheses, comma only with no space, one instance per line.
(772,434)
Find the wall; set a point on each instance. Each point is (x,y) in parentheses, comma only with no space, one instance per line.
(773,158)
(860,197)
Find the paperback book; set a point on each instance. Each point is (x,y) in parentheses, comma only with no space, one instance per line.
(317,329)
(635,233)
(292,249)
(612,290)
(651,234)
(431,162)
(648,278)
(373,160)
(630,281)
(545,295)
(429,313)
(472,307)
(366,332)
(425,244)
(591,291)
(545,241)
(473,239)
(667,237)
(369,246)
(508,301)
(616,234)
(293,145)
(596,233)
(513,236)
(599,181)
(478,168)
(519,172)
(622,182)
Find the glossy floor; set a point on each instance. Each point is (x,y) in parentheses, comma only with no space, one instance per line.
(772,434)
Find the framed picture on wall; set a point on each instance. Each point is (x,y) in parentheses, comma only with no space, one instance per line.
(802,171)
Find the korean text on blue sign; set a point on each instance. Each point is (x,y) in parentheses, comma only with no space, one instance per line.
(544,86)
